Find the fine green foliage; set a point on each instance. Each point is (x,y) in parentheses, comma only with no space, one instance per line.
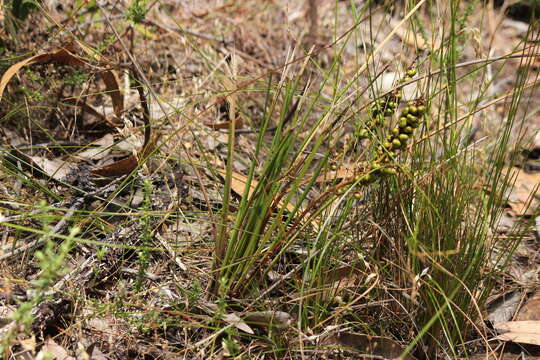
(136,11)
(51,261)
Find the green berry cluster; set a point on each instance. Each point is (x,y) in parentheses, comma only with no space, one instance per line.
(383,107)
(375,171)
(409,120)
(380,109)
(395,139)
(410,74)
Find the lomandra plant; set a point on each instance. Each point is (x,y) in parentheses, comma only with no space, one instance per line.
(436,234)
(411,224)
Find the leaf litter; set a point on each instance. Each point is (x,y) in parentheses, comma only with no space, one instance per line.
(256,53)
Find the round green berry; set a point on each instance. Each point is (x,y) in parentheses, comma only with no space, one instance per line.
(389,171)
(411,118)
(402,122)
(394,131)
(413,110)
(396,144)
(366,179)
(411,72)
(363,134)
(421,109)
(387,145)
(407,79)
(408,130)
(403,138)
(405,111)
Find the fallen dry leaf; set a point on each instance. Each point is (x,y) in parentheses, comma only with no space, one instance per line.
(531,309)
(52,348)
(526,332)
(524,191)
(113,86)
(126,165)
(119,168)
(100,149)
(224,125)
(237,322)
(61,56)
(64,57)
(56,168)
